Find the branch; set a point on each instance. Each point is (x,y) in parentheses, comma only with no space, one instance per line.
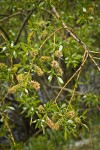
(75,37)
(70,30)
(94,52)
(23,25)
(96,58)
(13,15)
(67,89)
(50,36)
(94,62)
(8,128)
(86,54)
(4,34)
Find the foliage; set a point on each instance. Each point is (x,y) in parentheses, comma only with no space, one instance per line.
(54,140)
(46,45)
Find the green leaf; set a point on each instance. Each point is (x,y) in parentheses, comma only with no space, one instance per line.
(11,108)
(50,78)
(15,54)
(65,134)
(85,126)
(60,80)
(41,4)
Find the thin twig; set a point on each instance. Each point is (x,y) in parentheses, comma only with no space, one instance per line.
(23,25)
(96,58)
(7,126)
(66,89)
(75,86)
(4,34)
(50,36)
(10,16)
(94,52)
(39,131)
(94,62)
(9,130)
(71,78)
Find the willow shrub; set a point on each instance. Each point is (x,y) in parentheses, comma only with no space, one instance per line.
(46,47)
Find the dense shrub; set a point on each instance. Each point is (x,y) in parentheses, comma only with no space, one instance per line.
(49,55)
